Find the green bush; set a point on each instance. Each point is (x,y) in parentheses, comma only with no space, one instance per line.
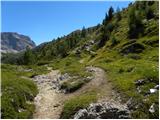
(42,63)
(114,41)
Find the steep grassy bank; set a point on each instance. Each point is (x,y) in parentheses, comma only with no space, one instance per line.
(17,92)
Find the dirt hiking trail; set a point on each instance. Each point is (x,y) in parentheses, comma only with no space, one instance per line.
(49,102)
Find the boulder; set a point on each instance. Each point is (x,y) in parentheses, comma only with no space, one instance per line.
(133,48)
(104,110)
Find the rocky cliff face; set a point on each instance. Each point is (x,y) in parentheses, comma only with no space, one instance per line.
(14,42)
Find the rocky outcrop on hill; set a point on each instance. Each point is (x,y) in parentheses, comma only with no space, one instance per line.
(14,42)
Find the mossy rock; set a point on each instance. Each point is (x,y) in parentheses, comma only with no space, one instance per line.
(153,43)
(129,42)
(133,48)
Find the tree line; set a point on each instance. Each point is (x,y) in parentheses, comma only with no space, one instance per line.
(61,46)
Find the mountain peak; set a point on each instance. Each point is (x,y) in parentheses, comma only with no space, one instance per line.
(15,42)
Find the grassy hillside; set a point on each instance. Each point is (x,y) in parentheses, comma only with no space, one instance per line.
(126,62)
(125,45)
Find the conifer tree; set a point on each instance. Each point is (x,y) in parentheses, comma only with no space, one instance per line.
(29,57)
(110,13)
(135,23)
(118,15)
(83,34)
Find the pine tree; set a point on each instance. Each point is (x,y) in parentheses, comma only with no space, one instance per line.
(106,19)
(135,23)
(110,13)
(83,34)
(29,57)
(118,15)
(104,37)
(149,13)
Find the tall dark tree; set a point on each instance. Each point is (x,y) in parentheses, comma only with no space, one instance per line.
(106,19)
(135,23)
(149,12)
(83,34)
(118,14)
(104,37)
(106,28)
(110,13)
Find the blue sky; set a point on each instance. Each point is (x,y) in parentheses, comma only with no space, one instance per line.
(44,21)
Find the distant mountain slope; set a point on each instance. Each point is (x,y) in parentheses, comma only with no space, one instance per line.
(14,42)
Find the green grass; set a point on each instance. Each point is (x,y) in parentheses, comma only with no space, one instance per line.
(17,94)
(76,103)
(70,65)
(21,70)
(123,71)
(73,84)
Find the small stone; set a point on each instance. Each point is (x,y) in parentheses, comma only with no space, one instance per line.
(152,109)
(138,89)
(56,105)
(28,70)
(153,90)
(156,87)
(140,82)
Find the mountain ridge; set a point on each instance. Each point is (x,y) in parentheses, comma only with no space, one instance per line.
(15,42)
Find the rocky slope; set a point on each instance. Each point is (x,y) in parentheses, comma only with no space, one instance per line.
(14,42)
